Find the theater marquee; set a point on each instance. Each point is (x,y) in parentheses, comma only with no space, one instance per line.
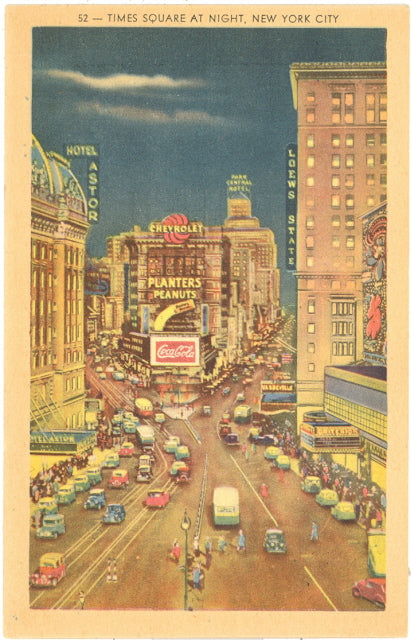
(175,350)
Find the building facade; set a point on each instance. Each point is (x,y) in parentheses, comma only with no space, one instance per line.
(59,226)
(342,172)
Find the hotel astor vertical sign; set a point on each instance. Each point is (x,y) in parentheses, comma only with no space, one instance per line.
(291,206)
(91,152)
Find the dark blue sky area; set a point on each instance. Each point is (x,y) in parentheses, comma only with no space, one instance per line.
(177,111)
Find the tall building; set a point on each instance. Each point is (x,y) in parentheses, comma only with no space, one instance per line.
(59,226)
(342,172)
(255,278)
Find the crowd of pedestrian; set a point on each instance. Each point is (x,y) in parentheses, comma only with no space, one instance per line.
(46,482)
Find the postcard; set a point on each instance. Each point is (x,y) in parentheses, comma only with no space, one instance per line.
(206,294)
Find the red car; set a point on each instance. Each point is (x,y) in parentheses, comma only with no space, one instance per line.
(119,479)
(372,589)
(157,498)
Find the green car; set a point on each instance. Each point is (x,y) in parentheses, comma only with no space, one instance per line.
(171,444)
(311,484)
(182,452)
(327,498)
(271,453)
(376,553)
(52,526)
(283,462)
(343,511)
(81,482)
(274,541)
(111,460)
(66,494)
(94,475)
(130,427)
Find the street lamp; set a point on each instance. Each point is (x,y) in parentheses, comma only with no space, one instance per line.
(185,525)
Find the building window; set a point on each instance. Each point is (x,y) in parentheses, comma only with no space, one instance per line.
(349,140)
(310,141)
(370,139)
(336,140)
(310,115)
(310,202)
(336,242)
(370,160)
(309,242)
(370,201)
(370,179)
(336,161)
(335,181)
(383,179)
(383,197)
(349,222)
(349,161)
(311,327)
(310,97)
(349,201)
(383,139)
(383,159)
(311,305)
(383,107)
(310,261)
(311,367)
(349,181)
(336,221)
(310,161)
(370,107)
(309,222)
(310,181)
(350,242)
(311,347)
(336,108)
(335,201)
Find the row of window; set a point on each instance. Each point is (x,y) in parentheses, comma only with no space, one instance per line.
(370,201)
(73,333)
(371,160)
(74,421)
(349,222)
(348,139)
(343,108)
(349,179)
(335,242)
(75,382)
(337,308)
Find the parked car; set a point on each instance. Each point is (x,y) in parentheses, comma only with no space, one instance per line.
(47,505)
(232,439)
(159,417)
(223,430)
(127,450)
(52,568)
(111,460)
(129,427)
(117,419)
(266,439)
(51,526)
(96,499)
(372,589)
(343,511)
(327,498)
(376,553)
(94,475)
(271,453)
(206,410)
(157,498)
(66,494)
(283,462)
(114,514)
(81,482)
(225,418)
(102,376)
(119,479)
(274,541)
(311,484)
(240,397)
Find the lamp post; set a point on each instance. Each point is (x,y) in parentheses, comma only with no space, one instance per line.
(185,525)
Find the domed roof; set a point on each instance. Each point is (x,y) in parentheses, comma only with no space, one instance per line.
(52,178)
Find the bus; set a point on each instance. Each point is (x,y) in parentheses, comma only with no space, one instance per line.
(242,414)
(226,506)
(144,408)
(145,435)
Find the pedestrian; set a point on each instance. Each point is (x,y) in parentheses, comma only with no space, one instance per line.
(281,472)
(243,448)
(208,544)
(176,551)
(383,501)
(222,544)
(247,454)
(314,531)
(378,517)
(241,541)
(81,599)
(196,546)
(197,577)
(254,447)
(264,490)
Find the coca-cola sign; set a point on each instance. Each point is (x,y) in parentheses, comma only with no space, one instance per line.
(175,351)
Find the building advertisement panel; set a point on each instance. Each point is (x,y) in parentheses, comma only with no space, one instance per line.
(175,350)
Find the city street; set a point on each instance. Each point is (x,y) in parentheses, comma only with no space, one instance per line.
(310,576)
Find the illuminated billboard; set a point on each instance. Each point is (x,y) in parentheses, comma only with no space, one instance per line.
(175,350)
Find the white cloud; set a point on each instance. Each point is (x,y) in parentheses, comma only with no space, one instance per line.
(122,81)
(150,116)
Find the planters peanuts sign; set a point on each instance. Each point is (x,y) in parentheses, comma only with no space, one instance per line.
(291,206)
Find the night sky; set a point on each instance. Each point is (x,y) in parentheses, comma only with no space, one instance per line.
(176,111)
